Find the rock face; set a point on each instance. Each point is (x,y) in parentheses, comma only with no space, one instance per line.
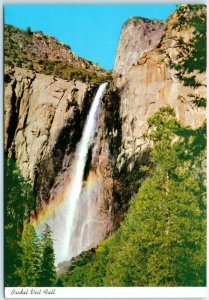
(43,120)
(138,35)
(150,84)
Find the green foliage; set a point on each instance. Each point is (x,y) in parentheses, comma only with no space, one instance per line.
(162,241)
(191,58)
(194,50)
(17,202)
(88,269)
(198,101)
(30,258)
(47,270)
(67,71)
(37,258)
(28,30)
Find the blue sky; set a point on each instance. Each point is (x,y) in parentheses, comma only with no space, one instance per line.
(91,30)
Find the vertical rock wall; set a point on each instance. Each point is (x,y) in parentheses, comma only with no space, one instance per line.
(150,84)
(138,35)
(44,118)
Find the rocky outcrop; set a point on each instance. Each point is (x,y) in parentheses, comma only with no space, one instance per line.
(36,45)
(138,35)
(44,118)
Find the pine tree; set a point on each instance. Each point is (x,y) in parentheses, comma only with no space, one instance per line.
(18,199)
(31,254)
(48,272)
(59,282)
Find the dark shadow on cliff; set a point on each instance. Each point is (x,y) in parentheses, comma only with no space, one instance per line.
(113,122)
(48,169)
(127,183)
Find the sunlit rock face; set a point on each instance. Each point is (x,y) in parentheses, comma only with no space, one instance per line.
(43,122)
(138,36)
(151,83)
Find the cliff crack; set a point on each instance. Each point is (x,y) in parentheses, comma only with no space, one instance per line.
(14,117)
(26,115)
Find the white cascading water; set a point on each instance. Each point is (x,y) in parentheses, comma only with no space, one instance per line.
(63,221)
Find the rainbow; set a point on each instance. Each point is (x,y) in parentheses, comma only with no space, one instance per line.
(48,210)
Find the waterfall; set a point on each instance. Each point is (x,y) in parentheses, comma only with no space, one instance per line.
(80,161)
(67,239)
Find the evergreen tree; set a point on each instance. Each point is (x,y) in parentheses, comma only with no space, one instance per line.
(28,30)
(47,272)
(59,282)
(18,199)
(31,254)
(89,268)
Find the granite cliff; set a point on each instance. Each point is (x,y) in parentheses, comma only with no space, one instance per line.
(139,35)
(152,81)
